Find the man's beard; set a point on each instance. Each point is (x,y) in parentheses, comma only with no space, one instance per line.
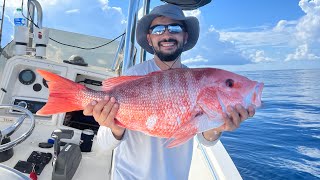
(169,56)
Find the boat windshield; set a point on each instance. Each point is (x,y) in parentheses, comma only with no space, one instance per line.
(81,46)
(99,56)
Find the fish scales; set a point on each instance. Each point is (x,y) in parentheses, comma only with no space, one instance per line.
(160,108)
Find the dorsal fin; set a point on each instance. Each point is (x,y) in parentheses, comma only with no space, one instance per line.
(111,82)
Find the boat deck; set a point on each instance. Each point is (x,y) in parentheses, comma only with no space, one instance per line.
(94,165)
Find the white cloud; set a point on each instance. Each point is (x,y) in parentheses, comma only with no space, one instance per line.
(106,7)
(117,9)
(195,13)
(284,25)
(264,45)
(16,4)
(259,56)
(245,40)
(197,59)
(287,40)
(13,4)
(310,6)
(307,32)
(52,2)
(280,26)
(72,11)
(113,12)
(211,50)
(104,2)
(302,53)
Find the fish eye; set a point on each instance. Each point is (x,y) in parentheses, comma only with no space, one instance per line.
(229,83)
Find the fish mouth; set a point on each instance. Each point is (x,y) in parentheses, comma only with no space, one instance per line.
(256,98)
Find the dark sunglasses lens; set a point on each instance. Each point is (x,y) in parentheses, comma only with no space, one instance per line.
(158,29)
(175,29)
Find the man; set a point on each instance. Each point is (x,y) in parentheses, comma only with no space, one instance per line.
(166,33)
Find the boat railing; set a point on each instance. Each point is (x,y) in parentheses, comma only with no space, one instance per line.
(130,35)
(146,9)
(2,18)
(118,58)
(207,160)
(32,5)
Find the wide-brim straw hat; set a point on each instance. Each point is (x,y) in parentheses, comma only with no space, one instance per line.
(173,12)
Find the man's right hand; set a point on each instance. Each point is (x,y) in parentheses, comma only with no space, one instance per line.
(104,112)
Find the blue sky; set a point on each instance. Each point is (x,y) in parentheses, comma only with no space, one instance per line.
(249,34)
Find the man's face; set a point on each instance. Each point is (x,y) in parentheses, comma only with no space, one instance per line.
(167,46)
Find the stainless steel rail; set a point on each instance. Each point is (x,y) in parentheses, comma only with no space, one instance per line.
(8,131)
(130,35)
(205,155)
(146,9)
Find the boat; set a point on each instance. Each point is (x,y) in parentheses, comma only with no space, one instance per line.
(52,146)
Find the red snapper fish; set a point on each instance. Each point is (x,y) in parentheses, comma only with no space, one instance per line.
(174,104)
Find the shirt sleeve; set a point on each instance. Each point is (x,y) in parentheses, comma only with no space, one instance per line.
(106,139)
(205,142)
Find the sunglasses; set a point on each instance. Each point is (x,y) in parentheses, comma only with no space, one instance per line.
(172,28)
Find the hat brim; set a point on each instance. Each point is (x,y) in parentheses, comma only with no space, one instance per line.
(143,25)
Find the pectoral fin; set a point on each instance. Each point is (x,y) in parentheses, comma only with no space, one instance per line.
(198,124)
(183,134)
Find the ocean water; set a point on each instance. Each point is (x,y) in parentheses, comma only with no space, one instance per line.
(282,140)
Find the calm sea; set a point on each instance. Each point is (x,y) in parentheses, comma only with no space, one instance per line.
(282,141)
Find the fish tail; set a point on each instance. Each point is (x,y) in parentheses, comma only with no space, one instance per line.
(63,94)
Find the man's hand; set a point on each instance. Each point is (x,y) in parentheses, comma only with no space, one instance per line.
(237,115)
(104,112)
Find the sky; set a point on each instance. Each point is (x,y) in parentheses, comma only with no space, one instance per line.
(238,34)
